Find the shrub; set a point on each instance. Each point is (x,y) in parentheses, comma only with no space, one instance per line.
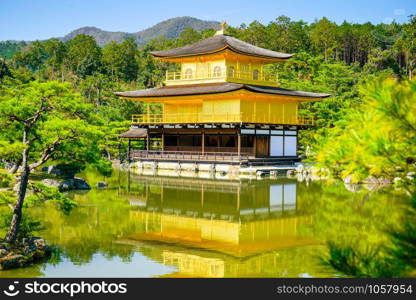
(43,193)
(6,179)
(28,227)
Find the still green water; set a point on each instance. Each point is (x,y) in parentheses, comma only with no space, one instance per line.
(150,226)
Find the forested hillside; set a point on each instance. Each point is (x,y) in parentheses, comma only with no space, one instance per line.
(171,28)
(9,48)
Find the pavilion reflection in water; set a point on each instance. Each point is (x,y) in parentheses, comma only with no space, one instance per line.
(218,228)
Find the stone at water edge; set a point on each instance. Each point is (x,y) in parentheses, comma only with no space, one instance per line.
(300,168)
(371,180)
(12,261)
(26,252)
(52,170)
(348,179)
(38,242)
(101,184)
(51,182)
(80,184)
(67,185)
(3,252)
(291,173)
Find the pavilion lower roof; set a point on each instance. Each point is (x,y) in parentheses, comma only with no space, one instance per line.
(215,88)
(134,133)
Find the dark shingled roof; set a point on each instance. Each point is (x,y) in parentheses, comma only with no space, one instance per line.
(134,133)
(219,42)
(213,88)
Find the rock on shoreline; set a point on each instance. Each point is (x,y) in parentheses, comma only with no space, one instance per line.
(24,253)
(68,184)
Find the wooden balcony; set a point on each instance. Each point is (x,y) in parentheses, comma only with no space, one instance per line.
(198,156)
(192,156)
(204,118)
(229,75)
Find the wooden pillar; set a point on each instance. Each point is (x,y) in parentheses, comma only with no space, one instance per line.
(148,143)
(148,112)
(238,142)
(163,140)
(203,142)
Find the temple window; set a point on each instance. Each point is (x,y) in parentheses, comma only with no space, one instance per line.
(211,141)
(256,74)
(171,140)
(217,71)
(227,141)
(188,73)
(231,72)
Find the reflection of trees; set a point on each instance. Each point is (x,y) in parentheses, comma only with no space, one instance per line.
(263,233)
(35,270)
(360,219)
(91,228)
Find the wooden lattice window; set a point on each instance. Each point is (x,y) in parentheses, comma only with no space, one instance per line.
(188,73)
(231,72)
(217,71)
(256,74)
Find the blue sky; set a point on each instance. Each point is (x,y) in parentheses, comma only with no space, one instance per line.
(42,19)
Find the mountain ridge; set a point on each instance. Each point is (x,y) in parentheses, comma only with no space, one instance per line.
(170,28)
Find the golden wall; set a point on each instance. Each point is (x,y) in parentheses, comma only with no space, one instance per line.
(246,110)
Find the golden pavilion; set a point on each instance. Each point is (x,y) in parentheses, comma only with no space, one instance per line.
(221,106)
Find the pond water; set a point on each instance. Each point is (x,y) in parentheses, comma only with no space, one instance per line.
(154,226)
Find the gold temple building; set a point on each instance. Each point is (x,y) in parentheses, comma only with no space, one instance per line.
(221,106)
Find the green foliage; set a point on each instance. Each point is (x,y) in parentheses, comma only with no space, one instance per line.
(10,150)
(353,262)
(323,36)
(32,57)
(65,129)
(119,60)
(377,138)
(83,56)
(9,48)
(7,197)
(104,167)
(42,193)
(404,237)
(71,169)
(4,69)
(6,179)
(29,227)
(189,36)
(395,257)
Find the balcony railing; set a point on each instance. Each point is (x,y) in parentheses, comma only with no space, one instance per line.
(193,118)
(255,77)
(189,155)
